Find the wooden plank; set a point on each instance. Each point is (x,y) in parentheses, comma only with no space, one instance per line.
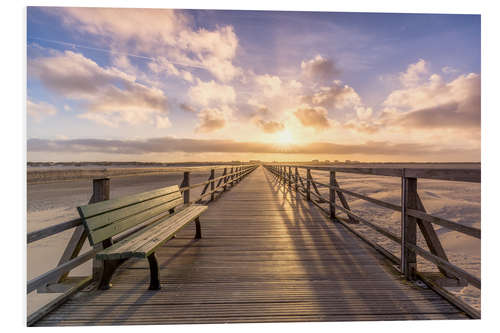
(469,310)
(52,230)
(53,304)
(166,202)
(138,244)
(55,272)
(462,175)
(375,227)
(430,236)
(344,202)
(454,270)
(363,197)
(110,230)
(459,175)
(105,206)
(471,231)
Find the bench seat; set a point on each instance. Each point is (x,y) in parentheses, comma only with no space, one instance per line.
(142,243)
(106,219)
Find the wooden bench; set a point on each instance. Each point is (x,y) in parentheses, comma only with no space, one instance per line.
(106,219)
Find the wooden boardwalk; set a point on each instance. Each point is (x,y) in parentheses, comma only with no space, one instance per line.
(265,256)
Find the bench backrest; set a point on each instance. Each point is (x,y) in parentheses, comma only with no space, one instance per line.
(108,218)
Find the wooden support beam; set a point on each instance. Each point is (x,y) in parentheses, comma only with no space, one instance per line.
(431,238)
(227,180)
(343,201)
(100,192)
(185,183)
(212,185)
(296,179)
(332,196)
(408,228)
(222,178)
(308,188)
(290,176)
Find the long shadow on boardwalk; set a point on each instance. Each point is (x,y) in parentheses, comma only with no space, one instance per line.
(346,260)
(265,256)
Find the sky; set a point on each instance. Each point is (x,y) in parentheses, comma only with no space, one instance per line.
(109,84)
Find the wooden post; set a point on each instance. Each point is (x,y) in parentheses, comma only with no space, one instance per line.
(185,183)
(409,199)
(100,189)
(308,188)
(290,176)
(100,192)
(332,196)
(232,176)
(296,179)
(212,185)
(223,179)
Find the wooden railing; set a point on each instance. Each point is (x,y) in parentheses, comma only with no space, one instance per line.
(412,211)
(56,280)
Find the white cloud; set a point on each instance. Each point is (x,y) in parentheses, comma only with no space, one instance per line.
(435,91)
(162,65)
(315,117)
(211,120)
(269,85)
(156,32)
(211,93)
(415,73)
(319,68)
(109,95)
(39,110)
(364,113)
(269,126)
(430,106)
(335,96)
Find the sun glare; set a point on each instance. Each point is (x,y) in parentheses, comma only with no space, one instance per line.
(284,138)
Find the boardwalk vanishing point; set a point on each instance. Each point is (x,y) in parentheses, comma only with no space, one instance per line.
(267,255)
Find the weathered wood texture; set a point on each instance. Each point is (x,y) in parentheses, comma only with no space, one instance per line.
(265,256)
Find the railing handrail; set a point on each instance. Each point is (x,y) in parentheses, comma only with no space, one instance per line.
(460,175)
(63,226)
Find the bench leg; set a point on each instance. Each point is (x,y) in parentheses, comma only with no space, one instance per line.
(154,283)
(198,228)
(109,268)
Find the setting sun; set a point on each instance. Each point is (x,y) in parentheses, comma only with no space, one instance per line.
(285,137)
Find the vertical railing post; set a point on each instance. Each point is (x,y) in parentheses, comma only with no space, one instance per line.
(100,192)
(224,179)
(212,185)
(185,183)
(332,196)
(409,199)
(308,186)
(296,179)
(230,178)
(290,176)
